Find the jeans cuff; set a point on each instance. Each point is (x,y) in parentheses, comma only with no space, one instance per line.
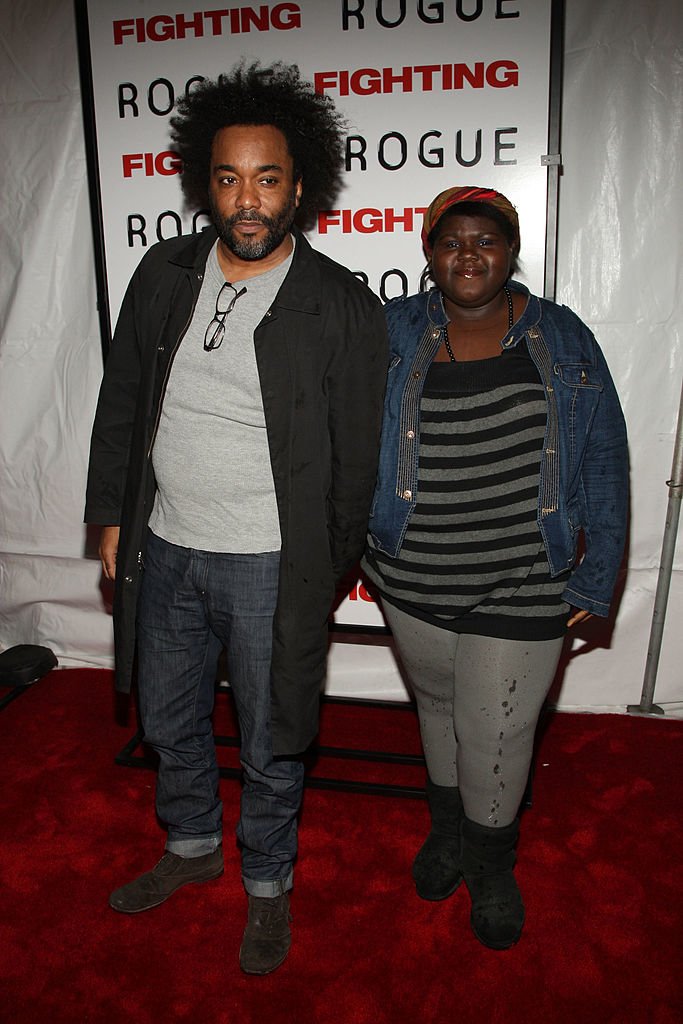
(269,887)
(198,847)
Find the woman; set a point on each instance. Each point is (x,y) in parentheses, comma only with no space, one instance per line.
(503,440)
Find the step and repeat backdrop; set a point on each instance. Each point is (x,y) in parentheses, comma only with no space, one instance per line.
(441,93)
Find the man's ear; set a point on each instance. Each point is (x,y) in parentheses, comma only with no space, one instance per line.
(298,191)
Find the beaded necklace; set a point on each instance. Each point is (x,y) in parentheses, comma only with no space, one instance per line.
(508,296)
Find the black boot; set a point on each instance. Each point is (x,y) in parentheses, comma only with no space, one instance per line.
(436,869)
(488,857)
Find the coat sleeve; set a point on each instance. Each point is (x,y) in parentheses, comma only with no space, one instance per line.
(604,501)
(356,397)
(114,419)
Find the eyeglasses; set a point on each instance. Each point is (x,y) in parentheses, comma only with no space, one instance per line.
(215,332)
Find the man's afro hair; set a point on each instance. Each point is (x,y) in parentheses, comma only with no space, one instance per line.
(276,95)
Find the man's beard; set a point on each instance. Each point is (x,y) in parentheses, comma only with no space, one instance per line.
(249,248)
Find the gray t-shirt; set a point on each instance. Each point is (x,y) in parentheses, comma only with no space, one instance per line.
(211,458)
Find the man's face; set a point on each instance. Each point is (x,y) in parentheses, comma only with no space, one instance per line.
(252,191)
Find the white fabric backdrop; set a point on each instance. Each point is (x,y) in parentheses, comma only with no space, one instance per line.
(619,267)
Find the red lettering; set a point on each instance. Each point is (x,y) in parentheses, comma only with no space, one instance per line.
(427,72)
(193,21)
(360,591)
(499,74)
(286,16)
(236,20)
(216,19)
(131,161)
(463,74)
(259,19)
(166,163)
(502,73)
(371,79)
(404,78)
(122,29)
(327,219)
(160,28)
(323,80)
(392,218)
(369,221)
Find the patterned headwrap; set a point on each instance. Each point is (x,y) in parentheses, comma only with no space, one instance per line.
(465,194)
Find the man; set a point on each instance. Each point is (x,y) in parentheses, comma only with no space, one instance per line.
(232,466)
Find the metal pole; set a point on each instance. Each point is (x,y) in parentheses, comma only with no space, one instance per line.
(675,485)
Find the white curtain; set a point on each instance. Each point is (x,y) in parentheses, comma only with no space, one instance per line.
(619,267)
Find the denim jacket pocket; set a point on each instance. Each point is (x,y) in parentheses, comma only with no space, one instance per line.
(579,375)
(574,518)
(393,379)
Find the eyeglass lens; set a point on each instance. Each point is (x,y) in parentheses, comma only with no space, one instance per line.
(215,332)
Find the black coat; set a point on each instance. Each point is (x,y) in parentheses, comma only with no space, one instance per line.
(321,351)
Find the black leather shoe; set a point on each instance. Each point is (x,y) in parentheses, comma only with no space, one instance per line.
(267,937)
(172,871)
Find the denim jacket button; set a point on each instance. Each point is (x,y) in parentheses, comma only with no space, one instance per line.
(416,375)
(410,434)
(407,495)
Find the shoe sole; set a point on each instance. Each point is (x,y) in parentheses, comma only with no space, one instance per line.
(436,898)
(151,906)
(499,946)
(261,974)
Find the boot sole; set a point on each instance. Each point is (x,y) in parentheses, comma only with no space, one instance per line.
(499,946)
(260,973)
(432,897)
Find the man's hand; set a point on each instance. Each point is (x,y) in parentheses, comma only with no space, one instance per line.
(578,615)
(109,546)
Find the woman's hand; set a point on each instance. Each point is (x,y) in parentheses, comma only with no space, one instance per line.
(109,546)
(578,615)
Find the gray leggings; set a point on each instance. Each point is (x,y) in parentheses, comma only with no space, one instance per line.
(478,700)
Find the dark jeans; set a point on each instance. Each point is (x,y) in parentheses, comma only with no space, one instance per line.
(191,604)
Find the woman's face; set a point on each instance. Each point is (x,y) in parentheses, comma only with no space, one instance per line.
(471,260)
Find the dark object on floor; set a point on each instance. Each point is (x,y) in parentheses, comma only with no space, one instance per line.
(267,937)
(488,857)
(24,664)
(172,872)
(600,943)
(437,868)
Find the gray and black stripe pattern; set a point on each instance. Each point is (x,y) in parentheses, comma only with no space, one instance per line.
(473,557)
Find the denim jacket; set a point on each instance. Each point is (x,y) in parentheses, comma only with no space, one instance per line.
(584,463)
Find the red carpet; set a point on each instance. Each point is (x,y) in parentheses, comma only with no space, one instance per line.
(600,867)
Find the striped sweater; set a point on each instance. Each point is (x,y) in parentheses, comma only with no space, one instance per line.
(473,559)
